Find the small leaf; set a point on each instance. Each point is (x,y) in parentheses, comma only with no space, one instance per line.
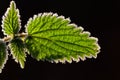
(11,20)
(3,55)
(53,38)
(17,51)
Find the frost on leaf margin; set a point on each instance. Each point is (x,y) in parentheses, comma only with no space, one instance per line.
(17,48)
(54,38)
(11,23)
(3,55)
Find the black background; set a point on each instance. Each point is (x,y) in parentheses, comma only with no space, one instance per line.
(100,17)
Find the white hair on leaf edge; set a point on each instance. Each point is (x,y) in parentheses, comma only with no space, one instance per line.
(5,61)
(6,14)
(81,29)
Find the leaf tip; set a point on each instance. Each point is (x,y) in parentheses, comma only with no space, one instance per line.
(22,64)
(12,4)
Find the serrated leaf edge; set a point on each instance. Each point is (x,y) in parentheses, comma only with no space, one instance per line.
(76,27)
(79,57)
(17,61)
(44,14)
(6,13)
(5,61)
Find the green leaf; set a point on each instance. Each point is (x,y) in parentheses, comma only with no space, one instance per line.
(18,51)
(54,38)
(11,20)
(3,55)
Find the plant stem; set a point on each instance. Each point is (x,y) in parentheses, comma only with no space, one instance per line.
(21,35)
(9,38)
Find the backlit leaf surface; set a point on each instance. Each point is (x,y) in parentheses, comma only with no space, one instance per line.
(11,20)
(3,55)
(18,51)
(54,38)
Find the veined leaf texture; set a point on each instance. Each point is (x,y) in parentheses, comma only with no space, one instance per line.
(47,37)
(54,38)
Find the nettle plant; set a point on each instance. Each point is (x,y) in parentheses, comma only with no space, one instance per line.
(47,37)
